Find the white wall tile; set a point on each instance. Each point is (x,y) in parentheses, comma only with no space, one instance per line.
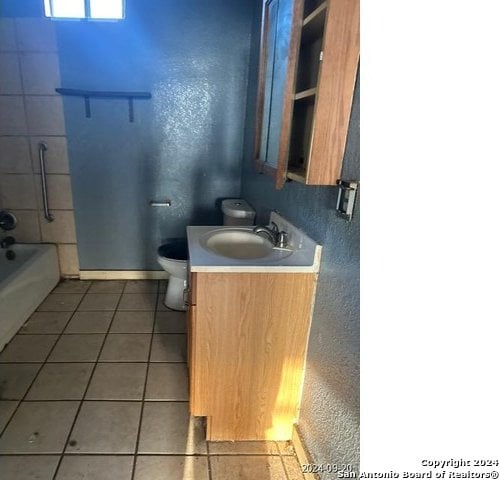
(45,115)
(7,34)
(10,76)
(40,72)
(59,192)
(28,228)
(17,191)
(61,230)
(56,156)
(68,260)
(12,118)
(14,155)
(36,35)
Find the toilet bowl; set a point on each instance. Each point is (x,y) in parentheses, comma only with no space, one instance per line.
(172,256)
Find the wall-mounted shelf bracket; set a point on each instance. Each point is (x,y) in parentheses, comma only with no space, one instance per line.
(88,94)
(346,199)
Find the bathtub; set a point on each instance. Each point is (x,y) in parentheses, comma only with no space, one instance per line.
(24,284)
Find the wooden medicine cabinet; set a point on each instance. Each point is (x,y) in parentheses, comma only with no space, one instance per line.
(308,65)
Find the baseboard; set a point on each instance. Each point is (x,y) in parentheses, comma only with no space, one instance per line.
(122,275)
(301,452)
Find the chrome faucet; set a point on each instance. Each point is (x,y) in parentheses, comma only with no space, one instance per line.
(276,237)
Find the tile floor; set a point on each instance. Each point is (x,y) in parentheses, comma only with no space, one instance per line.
(94,386)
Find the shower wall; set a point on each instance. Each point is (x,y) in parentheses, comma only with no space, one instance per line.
(185,144)
(30,113)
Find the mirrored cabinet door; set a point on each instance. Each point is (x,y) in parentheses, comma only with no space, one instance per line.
(275,64)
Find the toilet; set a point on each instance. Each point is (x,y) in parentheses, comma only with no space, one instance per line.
(237,212)
(173,254)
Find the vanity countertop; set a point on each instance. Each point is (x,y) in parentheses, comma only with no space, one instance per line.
(305,257)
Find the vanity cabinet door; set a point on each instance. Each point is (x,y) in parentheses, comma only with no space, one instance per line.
(249,349)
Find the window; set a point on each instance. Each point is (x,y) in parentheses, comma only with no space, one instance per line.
(91,9)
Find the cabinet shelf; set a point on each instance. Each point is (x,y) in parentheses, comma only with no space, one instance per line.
(306,94)
(310,5)
(298,175)
(313,24)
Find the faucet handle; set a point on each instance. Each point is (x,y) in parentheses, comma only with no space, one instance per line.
(282,239)
(275,228)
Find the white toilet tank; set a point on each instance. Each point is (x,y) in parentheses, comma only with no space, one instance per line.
(237,212)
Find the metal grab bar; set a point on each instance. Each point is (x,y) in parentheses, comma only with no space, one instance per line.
(42,148)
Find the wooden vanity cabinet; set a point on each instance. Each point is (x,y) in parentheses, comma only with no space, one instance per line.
(320,78)
(248,335)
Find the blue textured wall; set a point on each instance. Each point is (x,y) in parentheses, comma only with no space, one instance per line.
(329,419)
(21,8)
(186,143)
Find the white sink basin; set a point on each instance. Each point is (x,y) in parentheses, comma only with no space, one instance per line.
(236,243)
(238,249)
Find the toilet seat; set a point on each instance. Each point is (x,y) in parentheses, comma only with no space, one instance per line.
(174,249)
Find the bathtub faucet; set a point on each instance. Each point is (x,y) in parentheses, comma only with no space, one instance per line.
(7,242)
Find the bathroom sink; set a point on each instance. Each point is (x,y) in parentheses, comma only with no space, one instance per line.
(239,249)
(240,243)
(237,243)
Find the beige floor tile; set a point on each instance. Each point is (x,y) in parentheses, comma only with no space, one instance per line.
(169,348)
(293,468)
(117,381)
(167,381)
(61,302)
(15,379)
(247,468)
(89,322)
(141,286)
(61,381)
(133,322)
(87,467)
(160,303)
(171,468)
(39,427)
(171,322)
(94,302)
(286,448)
(7,408)
(138,301)
(243,448)
(77,348)
(107,286)
(28,348)
(106,427)
(28,467)
(46,322)
(167,427)
(72,286)
(126,348)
